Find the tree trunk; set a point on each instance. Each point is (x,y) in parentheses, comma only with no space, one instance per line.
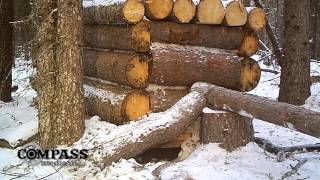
(126,68)
(158,9)
(116,37)
(317,40)
(256,18)
(182,66)
(313,27)
(6,49)
(59,77)
(236,13)
(230,38)
(210,12)
(183,11)
(128,12)
(114,103)
(228,129)
(284,114)
(295,68)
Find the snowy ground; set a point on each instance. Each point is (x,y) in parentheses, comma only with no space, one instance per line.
(18,121)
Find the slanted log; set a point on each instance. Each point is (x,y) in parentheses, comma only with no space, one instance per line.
(183,11)
(236,13)
(284,114)
(257,19)
(118,37)
(228,129)
(125,68)
(210,12)
(221,37)
(128,12)
(114,103)
(175,65)
(158,9)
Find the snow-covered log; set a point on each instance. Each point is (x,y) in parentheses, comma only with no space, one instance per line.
(123,12)
(118,37)
(284,114)
(175,65)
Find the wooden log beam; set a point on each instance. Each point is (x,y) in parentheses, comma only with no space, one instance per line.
(221,37)
(125,68)
(257,19)
(128,12)
(210,12)
(284,114)
(236,13)
(116,37)
(182,66)
(183,11)
(158,9)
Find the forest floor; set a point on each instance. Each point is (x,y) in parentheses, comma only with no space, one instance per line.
(18,122)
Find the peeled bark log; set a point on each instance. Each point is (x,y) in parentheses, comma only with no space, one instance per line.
(183,11)
(210,12)
(182,66)
(113,103)
(115,37)
(129,12)
(221,37)
(284,114)
(158,9)
(229,129)
(126,68)
(236,13)
(257,19)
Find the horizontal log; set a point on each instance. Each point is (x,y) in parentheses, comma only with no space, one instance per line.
(175,65)
(158,9)
(284,114)
(257,19)
(125,68)
(113,103)
(210,12)
(128,12)
(118,37)
(236,13)
(221,37)
(183,11)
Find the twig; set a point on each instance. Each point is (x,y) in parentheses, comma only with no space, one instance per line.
(294,169)
(270,71)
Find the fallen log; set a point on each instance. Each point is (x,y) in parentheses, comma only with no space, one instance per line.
(228,129)
(128,12)
(257,19)
(118,37)
(113,103)
(221,37)
(236,13)
(210,12)
(157,128)
(158,9)
(175,65)
(125,68)
(284,114)
(183,11)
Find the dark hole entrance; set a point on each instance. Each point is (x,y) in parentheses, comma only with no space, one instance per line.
(158,154)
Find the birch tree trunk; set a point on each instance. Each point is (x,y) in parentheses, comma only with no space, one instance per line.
(56,50)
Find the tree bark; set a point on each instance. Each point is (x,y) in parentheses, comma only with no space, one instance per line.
(6,49)
(295,68)
(228,129)
(183,11)
(317,40)
(128,12)
(126,68)
(313,27)
(116,37)
(230,38)
(210,12)
(114,103)
(236,13)
(180,66)
(59,77)
(158,9)
(284,114)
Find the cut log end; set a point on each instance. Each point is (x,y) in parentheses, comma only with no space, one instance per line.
(257,19)
(184,10)
(250,45)
(136,105)
(138,71)
(141,38)
(250,74)
(159,9)
(236,14)
(133,11)
(210,12)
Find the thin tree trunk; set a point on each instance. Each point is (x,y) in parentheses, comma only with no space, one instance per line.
(295,77)
(6,49)
(59,77)
(317,40)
